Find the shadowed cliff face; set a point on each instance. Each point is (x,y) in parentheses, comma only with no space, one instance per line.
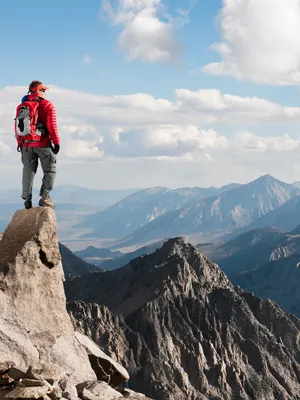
(185,332)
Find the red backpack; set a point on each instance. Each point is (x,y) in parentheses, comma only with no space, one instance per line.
(28,128)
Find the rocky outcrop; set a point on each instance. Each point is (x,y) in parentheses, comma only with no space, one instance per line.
(73,265)
(34,324)
(41,356)
(184,331)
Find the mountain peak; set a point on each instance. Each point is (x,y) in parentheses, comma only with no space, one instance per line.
(267,178)
(176,268)
(175,245)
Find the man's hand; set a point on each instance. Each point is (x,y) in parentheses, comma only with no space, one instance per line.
(56,148)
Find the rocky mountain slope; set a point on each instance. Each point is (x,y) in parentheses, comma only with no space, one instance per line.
(185,332)
(218,250)
(252,250)
(248,251)
(226,212)
(142,207)
(285,217)
(278,279)
(41,356)
(74,265)
(264,261)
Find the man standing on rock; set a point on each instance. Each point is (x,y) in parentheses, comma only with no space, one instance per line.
(38,139)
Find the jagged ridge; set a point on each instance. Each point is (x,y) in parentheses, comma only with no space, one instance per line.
(191,331)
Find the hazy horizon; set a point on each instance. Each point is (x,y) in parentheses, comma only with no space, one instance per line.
(124,188)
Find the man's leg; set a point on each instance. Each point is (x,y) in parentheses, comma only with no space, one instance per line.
(48,163)
(30,165)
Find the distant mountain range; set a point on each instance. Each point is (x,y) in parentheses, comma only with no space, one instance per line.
(72,202)
(74,266)
(126,258)
(146,216)
(73,194)
(265,261)
(285,217)
(97,255)
(233,209)
(246,252)
(142,207)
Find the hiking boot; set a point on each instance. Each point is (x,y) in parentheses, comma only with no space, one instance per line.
(46,202)
(27,204)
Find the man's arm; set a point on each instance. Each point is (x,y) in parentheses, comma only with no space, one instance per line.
(51,124)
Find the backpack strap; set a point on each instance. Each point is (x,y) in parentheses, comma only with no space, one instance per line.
(36,117)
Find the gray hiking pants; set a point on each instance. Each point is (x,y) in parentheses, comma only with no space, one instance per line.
(30,157)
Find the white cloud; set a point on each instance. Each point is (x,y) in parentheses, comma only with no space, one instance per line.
(226,107)
(139,125)
(138,140)
(87,59)
(266,144)
(187,137)
(195,108)
(261,41)
(83,149)
(147,31)
(162,141)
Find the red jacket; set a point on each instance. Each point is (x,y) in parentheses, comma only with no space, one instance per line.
(47,116)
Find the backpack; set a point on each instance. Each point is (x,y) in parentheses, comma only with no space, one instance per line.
(28,128)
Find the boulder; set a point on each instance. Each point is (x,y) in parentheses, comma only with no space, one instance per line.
(49,372)
(28,392)
(130,394)
(105,367)
(97,391)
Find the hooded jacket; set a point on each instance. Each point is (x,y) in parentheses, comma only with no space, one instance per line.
(47,116)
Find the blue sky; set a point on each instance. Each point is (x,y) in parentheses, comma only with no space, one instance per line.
(67,30)
(222,109)
(51,47)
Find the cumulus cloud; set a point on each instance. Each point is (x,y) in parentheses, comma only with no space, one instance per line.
(83,149)
(147,31)
(261,41)
(226,107)
(203,137)
(162,141)
(254,142)
(133,126)
(188,107)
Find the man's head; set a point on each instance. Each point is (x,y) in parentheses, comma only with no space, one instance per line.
(37,87)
